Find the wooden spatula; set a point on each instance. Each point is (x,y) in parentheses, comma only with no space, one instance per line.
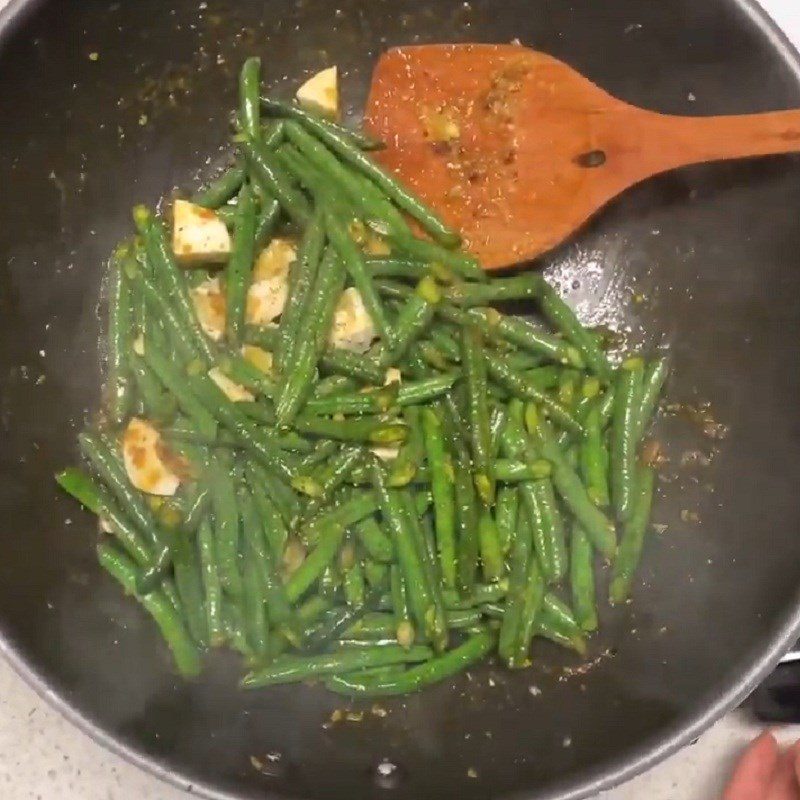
(517,150)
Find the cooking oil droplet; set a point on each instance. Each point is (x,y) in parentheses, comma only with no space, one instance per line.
(388,775)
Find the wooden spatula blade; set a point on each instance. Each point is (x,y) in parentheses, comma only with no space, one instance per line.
(517,150)
(468,127)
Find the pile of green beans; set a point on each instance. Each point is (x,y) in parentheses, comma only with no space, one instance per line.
(378,521)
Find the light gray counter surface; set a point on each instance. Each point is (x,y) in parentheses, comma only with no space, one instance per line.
(44,757)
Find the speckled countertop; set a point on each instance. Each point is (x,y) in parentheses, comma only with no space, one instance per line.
(42,756)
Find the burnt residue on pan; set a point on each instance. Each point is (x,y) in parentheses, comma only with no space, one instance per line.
(113,103)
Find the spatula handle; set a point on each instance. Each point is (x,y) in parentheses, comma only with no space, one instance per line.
(691,140)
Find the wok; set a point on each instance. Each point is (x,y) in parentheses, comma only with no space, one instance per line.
(714,249)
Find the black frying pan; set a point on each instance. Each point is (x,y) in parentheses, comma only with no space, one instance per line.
(715,249)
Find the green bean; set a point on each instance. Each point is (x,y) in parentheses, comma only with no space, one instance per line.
(302,276)
(334,385)
(330,538)
(521,287)
(359,139)
(565,320)
(321,451)
(414,317)
(404,626)
(377,544)
(474,360)
(606,405)
(221,189)
(548,528)
(509,471)
(249,105)
(491,552)
(350,154)
(426,389)
(211,582)
(497,422)
(372,625)
(518,387)
(515,330)
(436,623)
(378,401)
(598,527)
(267,499)
(354,262)
(624,431)
(107,464)
(266,221)
(348,512)
(172,628)
(158,405)
(190,588)
(405,547)
(459,262)
(431,355)
(412,452)
(506,512)
(466,523)
(244,430)
(521,555)
(157,302)
(653,380)
(532,600)
(292,669)
(396,268)
(376,574)
(226,527)
(195,507)
(594,458)
(443,494)
(120,324)
(166,372)
(330,478)
(581,573)
(271,175)
(234,629)
(632,541)
(476,647)
(339,622)
(374,430)
(318,314)
(330,583)
(169,275)
(95,498)
(240,265)
(481,594)
(241,371)
(354,585)
(367,198)
(260,555)
(551,626)
(254,604)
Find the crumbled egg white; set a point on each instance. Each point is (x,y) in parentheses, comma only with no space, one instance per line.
(352,326)
(209,305)
(269,288)
(235,392)
(320,93)
(261,359)
(199,236)
(393,375)
(143,457)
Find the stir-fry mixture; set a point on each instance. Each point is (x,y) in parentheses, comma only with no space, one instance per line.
(323,444)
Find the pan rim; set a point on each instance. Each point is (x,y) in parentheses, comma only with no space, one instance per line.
(650,752)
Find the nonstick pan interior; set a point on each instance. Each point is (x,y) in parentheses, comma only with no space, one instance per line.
(107,104)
